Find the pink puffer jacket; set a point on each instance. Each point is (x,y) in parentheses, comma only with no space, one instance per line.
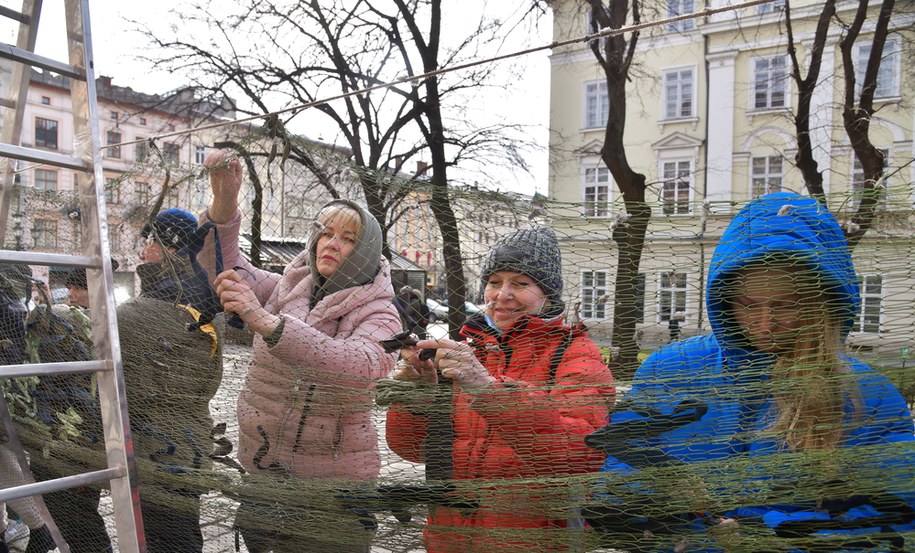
(305,408)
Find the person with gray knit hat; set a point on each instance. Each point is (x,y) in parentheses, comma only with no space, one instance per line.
(527,388)
(305,411)
(532,251)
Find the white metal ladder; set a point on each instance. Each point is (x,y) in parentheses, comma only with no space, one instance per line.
(121,471)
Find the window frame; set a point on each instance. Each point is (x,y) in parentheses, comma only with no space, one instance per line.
(856,182)
(113,136)
(676,8)
(595,208)
(767,175)
(861,325)
(599,120)
(112,190)
(46,133)
(55,182)
(674,291)
(44,234)
(666,181)
(893,56)
(665,98)
(590,309)
(769,79)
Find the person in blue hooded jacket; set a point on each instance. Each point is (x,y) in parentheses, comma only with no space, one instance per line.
(764,435)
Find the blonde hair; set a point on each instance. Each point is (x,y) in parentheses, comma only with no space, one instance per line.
(810,380)
(342,212)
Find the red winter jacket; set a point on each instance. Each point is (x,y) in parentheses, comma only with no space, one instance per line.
(529,424)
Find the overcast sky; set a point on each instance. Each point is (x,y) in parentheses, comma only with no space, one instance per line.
(116,46)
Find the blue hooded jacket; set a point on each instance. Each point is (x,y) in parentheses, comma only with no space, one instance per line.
(723,382)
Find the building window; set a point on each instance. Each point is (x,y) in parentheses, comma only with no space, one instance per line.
(596,192)
(767,175)
(677,177)
(45,179)
(171,151)
(857,181)
(114,137)
(770,82)
(887,75)
(593,287)
(114,116)
(639,314)
(142,120)
(113,191)
(678,93)
(141,150)
(870,287)
(141,192)
(680,7)
(200,154)
(671,294)
(597,104)
(45,234)
(769,7)
(45,101)
(45,133)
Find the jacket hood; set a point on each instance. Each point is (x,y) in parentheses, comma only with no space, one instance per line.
(361,266)
(788,225)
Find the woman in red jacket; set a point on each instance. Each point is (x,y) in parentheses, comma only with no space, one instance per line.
(526,390)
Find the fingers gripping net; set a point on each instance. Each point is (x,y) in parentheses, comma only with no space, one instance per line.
(305,442)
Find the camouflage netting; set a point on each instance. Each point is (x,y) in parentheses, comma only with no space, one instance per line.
(686,448)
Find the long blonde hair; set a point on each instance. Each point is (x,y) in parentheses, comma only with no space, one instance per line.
(811,381)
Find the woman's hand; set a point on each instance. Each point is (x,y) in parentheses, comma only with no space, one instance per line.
(411,368)
(225,178)
(456,360)
(237,297)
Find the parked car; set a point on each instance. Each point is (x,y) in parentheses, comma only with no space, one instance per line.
(438,311)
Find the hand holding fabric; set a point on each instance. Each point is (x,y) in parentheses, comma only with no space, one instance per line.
(411,368)
(225,178)
(237,297)
(456,360)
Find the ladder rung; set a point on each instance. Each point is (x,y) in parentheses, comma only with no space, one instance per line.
(14,15)
(47,369)
(11,52)
(65,483)
(41,156)
(40,258)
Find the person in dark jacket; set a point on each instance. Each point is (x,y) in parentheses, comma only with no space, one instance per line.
(171,344)
(527,388)
(765,428)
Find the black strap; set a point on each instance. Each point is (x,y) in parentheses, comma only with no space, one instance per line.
(559,354)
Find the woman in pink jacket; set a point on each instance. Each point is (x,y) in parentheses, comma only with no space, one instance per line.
(304,412)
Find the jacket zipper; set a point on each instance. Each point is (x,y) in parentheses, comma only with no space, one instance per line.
(305,408)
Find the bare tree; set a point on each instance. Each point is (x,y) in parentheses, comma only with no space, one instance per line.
(615,55)
(857,103)
(279,55)
(857,115)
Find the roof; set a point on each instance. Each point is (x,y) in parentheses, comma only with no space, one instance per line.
(278,252)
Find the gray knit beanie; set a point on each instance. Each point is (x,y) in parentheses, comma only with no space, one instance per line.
(533,251)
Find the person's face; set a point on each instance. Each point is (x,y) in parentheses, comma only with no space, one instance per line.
(766,307)
(152,252)
(336,242)
(78,297)
(510,295)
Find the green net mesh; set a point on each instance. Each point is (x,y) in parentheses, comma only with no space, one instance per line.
(334,455)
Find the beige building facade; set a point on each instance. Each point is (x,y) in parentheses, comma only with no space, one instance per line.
(709,123)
